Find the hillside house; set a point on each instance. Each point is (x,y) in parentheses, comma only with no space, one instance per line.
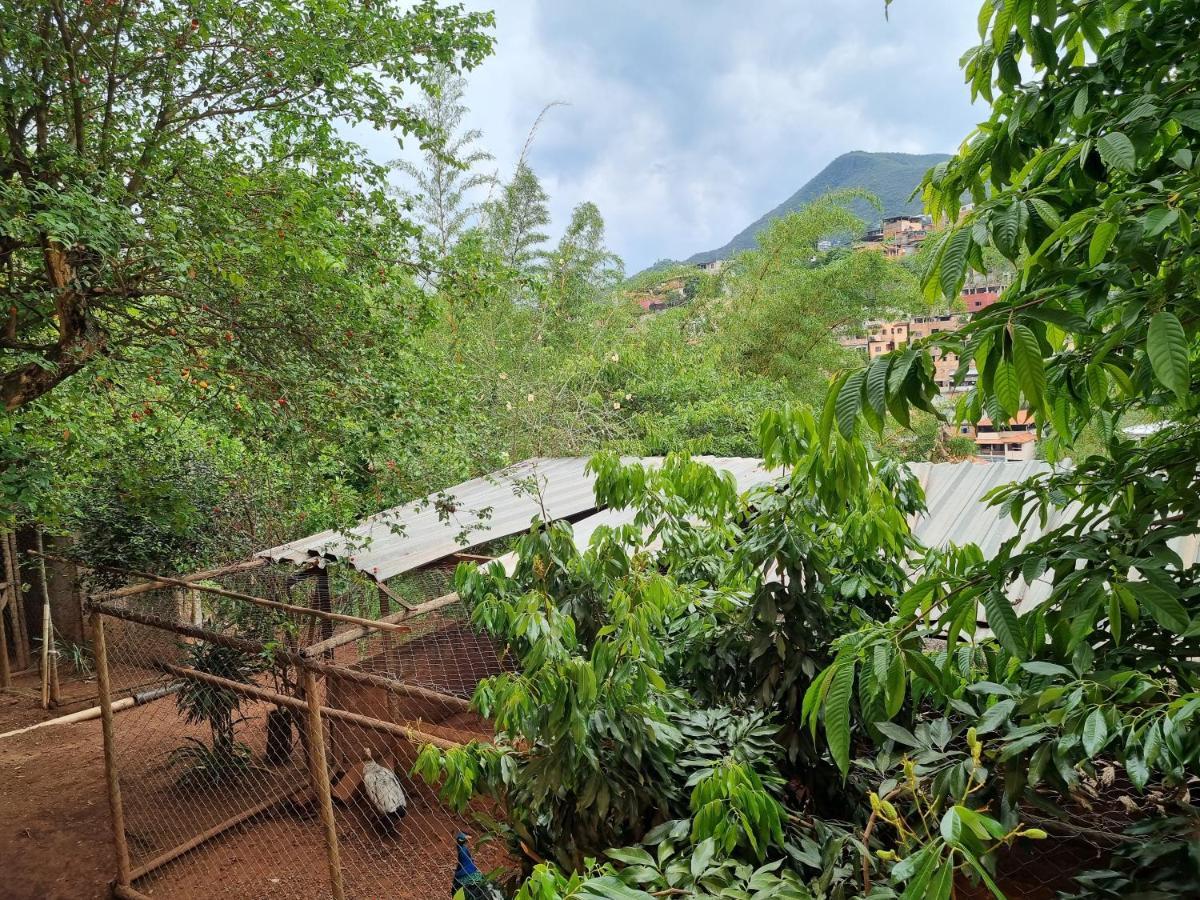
(1013,441)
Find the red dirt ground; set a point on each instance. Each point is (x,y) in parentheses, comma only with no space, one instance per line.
(55,833)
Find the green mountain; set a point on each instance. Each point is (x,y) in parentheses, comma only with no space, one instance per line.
(891,177)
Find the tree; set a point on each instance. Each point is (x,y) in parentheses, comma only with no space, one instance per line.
(446,176)
(1084,178)
(150,155)
(787,302)
(515,217)
(580,270)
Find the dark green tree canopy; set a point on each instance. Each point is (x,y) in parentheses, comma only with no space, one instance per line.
(134,132)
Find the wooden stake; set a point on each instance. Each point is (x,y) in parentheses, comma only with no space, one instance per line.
(17,601)
(50,691)
(319,772)
(104,689)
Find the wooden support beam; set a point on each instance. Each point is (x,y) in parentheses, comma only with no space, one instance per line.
(354,634)
(111,777)
(319,772)
(50,689)
(255,692)
(297,659)
(133,590)
(205,836)
(318,613)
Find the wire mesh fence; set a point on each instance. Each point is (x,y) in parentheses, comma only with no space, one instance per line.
(255,711)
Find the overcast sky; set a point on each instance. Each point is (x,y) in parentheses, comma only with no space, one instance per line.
(688,119)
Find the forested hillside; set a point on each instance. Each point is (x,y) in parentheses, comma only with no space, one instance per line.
(890,177)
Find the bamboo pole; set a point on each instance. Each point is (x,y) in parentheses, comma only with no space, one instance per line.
(319,772)
(133,590)
(353,634)
(254,692)
(324,614)
(5,668)
(104,689)
(85,715)
(20,629)
(50,689)
(205,836)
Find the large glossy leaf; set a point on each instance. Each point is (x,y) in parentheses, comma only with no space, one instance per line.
(1027,358)
(1117,151)
(837,713)
(1007,388)
(1002,619)
(1095,732)
(1166,345)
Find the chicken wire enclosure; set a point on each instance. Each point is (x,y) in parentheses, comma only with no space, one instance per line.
(239,771)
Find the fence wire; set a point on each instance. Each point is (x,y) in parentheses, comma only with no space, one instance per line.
(218,796)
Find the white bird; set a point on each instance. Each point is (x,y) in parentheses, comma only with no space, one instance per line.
(384,792)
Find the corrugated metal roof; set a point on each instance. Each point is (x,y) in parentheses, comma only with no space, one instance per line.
(475,512)
(504,503)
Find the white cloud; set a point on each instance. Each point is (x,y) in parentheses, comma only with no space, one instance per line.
(687,120)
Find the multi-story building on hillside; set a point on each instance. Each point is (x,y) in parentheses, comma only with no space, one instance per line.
(1012,441)
(897,236)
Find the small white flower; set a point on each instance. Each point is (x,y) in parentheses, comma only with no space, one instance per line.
(508,406)
(616,357)
(629,396)
(504,376)
(529,397)
(616,404)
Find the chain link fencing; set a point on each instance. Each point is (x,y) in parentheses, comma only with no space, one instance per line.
(224,768)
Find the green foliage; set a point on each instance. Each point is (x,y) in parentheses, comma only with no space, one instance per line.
(446,177)
(220,709)
(156,161)
(788,303)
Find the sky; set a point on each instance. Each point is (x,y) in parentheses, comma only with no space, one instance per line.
(685,120)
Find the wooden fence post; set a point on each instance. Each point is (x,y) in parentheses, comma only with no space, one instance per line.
(104,689)
(5,670)
(50,691)
(17,599)
(319,773)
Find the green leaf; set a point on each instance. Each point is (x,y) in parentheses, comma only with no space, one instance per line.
(1166,610)
(1041,667)
(837,713)
(1006,388)
(1003,621)
(1027,358)
(1009,228)
(1166,345)
(877,378)
(702,856)
(995,716)
(849,402)
(1159,220)
(1117,151)
(953,266)
(1095,732)
(1102,239)
(631,856)
(1046,212)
